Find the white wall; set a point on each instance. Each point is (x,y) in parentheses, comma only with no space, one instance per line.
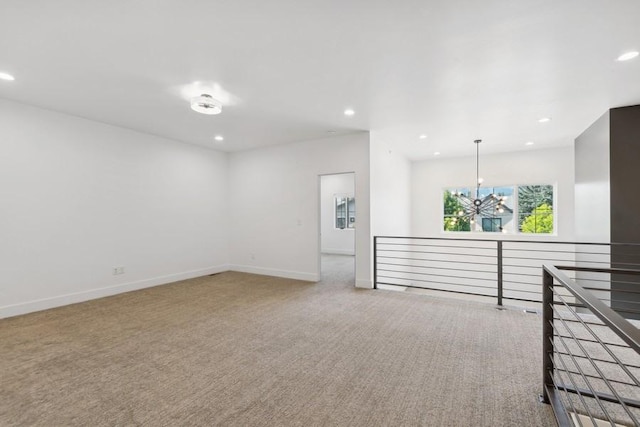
(78,198)
(548,166)
(274,195)
(592,180)
(390,190)
(334,240)
(593,199)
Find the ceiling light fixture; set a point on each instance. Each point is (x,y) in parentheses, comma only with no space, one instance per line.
(437,153)
(627,56)
(544,120)
(349,112)
(206,104)
(6,76)
(423,136)
(529,143)
(219,138)
(487,206)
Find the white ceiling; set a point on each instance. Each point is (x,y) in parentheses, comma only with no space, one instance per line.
(287,69)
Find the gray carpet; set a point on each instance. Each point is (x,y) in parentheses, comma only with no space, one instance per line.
(238,349)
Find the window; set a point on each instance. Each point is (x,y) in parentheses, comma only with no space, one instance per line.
(533,208)
(491,224)
(345,212)
(456,204)
(452,206)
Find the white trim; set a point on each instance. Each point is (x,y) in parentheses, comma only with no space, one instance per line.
(298,275)
(366,284)
(73,298)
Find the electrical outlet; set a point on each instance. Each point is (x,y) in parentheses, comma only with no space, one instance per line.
(118,270)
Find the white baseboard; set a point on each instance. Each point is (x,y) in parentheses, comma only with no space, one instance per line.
(331,251)
(298,275)
(366,284)
(58,301)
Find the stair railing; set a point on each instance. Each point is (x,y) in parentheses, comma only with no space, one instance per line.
(591,354)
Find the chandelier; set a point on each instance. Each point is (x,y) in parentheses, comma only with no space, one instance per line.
(488,206)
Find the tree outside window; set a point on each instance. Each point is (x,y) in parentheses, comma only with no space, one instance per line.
(533,206)
(535,209)
(452,222)
(455,218)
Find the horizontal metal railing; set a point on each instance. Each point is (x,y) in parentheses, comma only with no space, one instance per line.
(591,354)
(590,301)
(506,270)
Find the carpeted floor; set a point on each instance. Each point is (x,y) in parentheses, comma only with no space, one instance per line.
(238,349)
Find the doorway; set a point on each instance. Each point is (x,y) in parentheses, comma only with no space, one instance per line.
(338,222)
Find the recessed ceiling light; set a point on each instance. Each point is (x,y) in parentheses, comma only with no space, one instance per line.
(423,136)
(349,112)
(629,55)
(544,120)
(206,104)
(529,143)
(6,76)
(437,153)
(219,138)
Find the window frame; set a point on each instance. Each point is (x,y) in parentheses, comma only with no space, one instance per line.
(515,228)
(349,220)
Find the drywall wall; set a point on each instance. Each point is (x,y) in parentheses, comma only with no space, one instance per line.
(592,192)
(335,240)
(274,195)
(545,166)
(390,190)
(79,198)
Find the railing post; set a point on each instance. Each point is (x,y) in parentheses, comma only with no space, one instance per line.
(499,272)
(375,262)
(547,333)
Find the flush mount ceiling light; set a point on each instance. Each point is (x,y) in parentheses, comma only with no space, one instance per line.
(436,153)
(544,120)
(423,136)
(219,138)
(529,143)
(6,76)
(206,104)
(349,112)
(487,206)
(627,56)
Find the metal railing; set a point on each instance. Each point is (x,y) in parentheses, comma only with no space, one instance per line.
(503,270)
(591,354)
(591,344)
